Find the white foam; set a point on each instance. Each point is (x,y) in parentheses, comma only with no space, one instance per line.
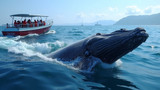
(73,63)
(115,64)
(152,47)
(35,49)
(20,37)
(30,35)
(60,44)
(51,32)
(26,49)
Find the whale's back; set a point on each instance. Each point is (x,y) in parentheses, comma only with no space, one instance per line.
(70,52)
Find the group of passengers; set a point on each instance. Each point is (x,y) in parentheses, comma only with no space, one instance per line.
(29,23)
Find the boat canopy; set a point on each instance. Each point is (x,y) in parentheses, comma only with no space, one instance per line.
(26,15)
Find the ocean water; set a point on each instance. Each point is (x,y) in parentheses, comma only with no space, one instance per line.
(24,64)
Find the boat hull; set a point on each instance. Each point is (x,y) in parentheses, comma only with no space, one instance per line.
(26,32)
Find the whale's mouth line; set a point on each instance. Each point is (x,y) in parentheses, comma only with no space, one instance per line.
(142,36)
(143,31)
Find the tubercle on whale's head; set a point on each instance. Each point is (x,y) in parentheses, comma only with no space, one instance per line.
(111,47)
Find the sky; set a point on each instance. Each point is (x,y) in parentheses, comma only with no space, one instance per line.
(68,12)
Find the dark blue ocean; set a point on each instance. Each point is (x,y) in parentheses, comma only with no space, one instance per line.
(24,64)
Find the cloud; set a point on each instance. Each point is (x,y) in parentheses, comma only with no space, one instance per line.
(134,10)
(114,13)
(148,10)
(91,17)
(152,9)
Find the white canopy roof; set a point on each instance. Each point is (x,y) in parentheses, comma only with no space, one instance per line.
(26,15)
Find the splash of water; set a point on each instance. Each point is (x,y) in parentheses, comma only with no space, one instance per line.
(115,64)
(40,50)
(34,49)
(83,64)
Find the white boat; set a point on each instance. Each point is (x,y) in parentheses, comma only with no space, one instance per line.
(22,28)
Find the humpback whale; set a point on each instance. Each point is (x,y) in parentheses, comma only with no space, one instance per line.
(106,47)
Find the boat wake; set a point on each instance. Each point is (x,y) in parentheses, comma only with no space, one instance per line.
(41,50)
(27,49)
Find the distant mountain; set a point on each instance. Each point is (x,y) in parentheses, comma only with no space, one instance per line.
(101,23)
(105,22)
(140,20)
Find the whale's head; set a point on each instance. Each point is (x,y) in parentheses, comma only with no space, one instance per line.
(111,47)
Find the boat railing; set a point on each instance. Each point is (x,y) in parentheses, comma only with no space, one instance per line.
(29,25)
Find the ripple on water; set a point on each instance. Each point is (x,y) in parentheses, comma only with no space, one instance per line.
(40,75)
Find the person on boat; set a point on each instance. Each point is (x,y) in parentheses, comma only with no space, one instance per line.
(18,23)
(25,23)
(22,24)
(44,23)
(35,22)
(15,23)
(41,23)
(7,25)
(29,22)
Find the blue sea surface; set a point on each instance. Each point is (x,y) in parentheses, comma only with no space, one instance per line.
(24,64)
